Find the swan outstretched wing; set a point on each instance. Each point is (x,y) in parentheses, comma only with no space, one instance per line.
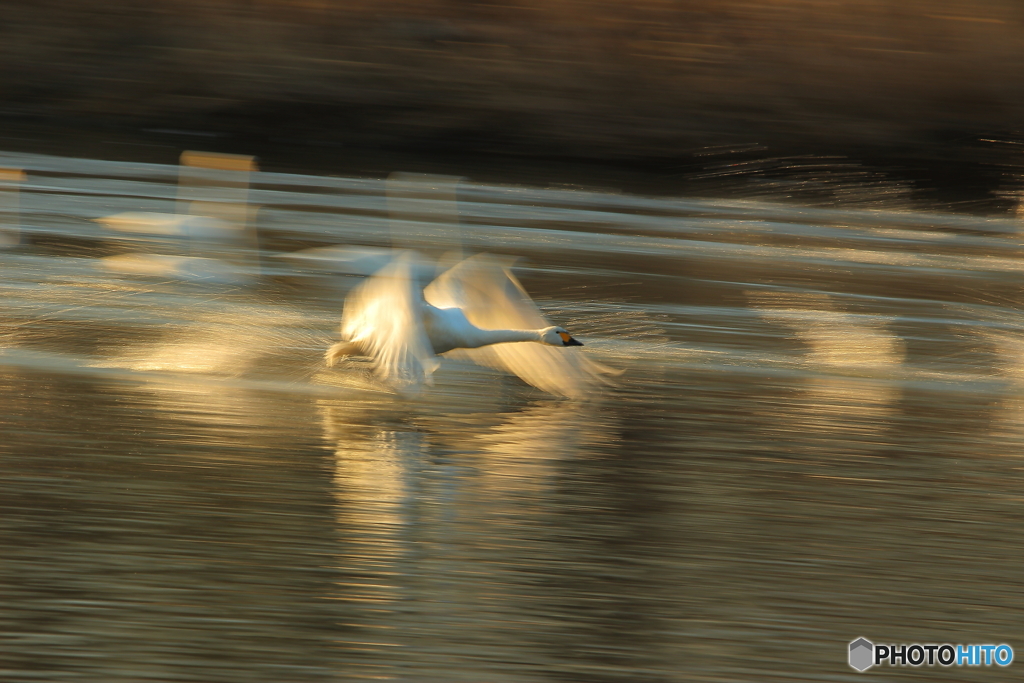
(484,287)
(383,317)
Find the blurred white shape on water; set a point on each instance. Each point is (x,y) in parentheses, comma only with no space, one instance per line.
(836,339)
(854,358)
(477,310)
(211,238)
(182,267)
(10,215)
(170,224)
(1003,339)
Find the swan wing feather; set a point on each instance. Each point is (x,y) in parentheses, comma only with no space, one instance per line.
(384,317)
(491,297)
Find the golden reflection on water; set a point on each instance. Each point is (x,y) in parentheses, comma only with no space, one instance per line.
(427,493)
(522,454)
(380,448)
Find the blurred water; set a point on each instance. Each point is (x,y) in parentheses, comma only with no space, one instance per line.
(817,436)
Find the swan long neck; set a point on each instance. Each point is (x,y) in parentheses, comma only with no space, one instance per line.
(488,337)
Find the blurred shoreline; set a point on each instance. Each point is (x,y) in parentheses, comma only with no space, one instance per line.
(920,92)
(982,177)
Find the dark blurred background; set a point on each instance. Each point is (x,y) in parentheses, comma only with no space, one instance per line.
(931,89)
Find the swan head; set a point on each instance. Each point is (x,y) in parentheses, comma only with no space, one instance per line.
(557,336)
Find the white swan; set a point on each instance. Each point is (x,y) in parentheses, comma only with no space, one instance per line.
(474,310)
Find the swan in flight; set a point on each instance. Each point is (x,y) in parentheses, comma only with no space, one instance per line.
(477,310)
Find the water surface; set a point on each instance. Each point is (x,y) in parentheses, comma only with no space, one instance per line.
(817,436)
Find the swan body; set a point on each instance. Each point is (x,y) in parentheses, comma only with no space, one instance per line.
(477,310)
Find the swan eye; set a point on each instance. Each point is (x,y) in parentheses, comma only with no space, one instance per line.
(565,337)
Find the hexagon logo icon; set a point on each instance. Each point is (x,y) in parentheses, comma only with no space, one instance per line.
(862,654)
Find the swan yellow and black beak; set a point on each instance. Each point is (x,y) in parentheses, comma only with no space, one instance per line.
(568,340)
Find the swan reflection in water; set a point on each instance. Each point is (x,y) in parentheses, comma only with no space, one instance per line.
(416,490)
(385,451)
